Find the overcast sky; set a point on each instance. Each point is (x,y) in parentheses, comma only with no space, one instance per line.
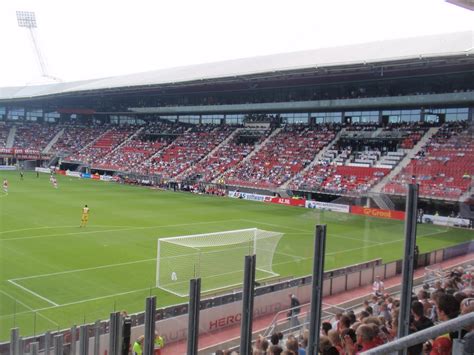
(98,38)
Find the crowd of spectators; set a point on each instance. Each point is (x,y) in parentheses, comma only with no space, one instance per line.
(226,157)
(186,150)
(133,153)
(76,137)
(4,131)
(282,156)
(105,144)
(443,168)
(34,136)
(350,332)
(339,179)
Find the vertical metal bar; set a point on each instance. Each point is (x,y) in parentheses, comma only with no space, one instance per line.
(150,316)
(84,340)
(408,261)
(21,346)
(58,344)
(97,338)
(73,339)
(14,337)
(317,289)
(34,348)
(193,315)
(113,333)
(158,260)
(47,342)
(247,306)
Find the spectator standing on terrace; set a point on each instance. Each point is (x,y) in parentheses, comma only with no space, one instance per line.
(159,343)
(378,287)
(138,345)
(294,311)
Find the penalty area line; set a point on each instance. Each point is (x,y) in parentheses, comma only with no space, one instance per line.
(33,293)
(28,307)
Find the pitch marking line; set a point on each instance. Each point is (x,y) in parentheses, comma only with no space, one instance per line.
(59,227)
(117,230)
(85,269)
(26,306)
(336,235)
(33,293)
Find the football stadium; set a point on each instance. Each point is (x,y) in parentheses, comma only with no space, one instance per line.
(312,202)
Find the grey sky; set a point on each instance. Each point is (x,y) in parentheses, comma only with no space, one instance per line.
(96,38)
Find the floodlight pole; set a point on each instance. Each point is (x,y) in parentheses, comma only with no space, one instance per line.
(39,56)
(27,19)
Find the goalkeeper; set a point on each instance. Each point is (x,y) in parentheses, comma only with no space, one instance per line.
(85,216)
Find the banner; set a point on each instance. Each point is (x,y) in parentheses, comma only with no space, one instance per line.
(43,170)
(73,173)
(376,212)
(249,196)
(288,201)
(327,206)
(445,221)
(106,178)
(7,167)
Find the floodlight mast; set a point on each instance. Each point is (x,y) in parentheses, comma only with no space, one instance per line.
(27,19)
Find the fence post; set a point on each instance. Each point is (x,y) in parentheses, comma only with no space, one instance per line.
(408,262)
(84,340)
(58,344)
(14,339)
(150,319)
(193,315)
(47,342)
(317,289)
(34,348)
(247,306)
(97,338)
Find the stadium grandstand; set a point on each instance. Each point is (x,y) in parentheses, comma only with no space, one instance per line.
(336,131)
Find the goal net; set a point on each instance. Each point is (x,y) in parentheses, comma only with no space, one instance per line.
(217,258)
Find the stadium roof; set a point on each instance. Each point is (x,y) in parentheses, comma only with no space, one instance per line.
(442,45)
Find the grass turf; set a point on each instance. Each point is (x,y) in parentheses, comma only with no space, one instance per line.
(54,274)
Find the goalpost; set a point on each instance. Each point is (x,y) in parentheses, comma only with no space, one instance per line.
(217,258)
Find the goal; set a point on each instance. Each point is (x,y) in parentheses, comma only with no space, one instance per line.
(217,258)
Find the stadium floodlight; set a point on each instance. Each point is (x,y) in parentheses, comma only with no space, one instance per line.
(27,19)
(217,258)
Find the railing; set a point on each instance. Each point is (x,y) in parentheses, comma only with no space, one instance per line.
(276,319)
(460,322)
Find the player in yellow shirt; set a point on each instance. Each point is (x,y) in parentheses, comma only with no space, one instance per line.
(85,216)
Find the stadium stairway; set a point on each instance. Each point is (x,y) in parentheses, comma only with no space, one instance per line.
(405,161)
(225,141)
(209,343)
(315,160)
(11,137)
(53,141)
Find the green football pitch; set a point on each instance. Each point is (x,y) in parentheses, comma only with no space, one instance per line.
(54,274)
